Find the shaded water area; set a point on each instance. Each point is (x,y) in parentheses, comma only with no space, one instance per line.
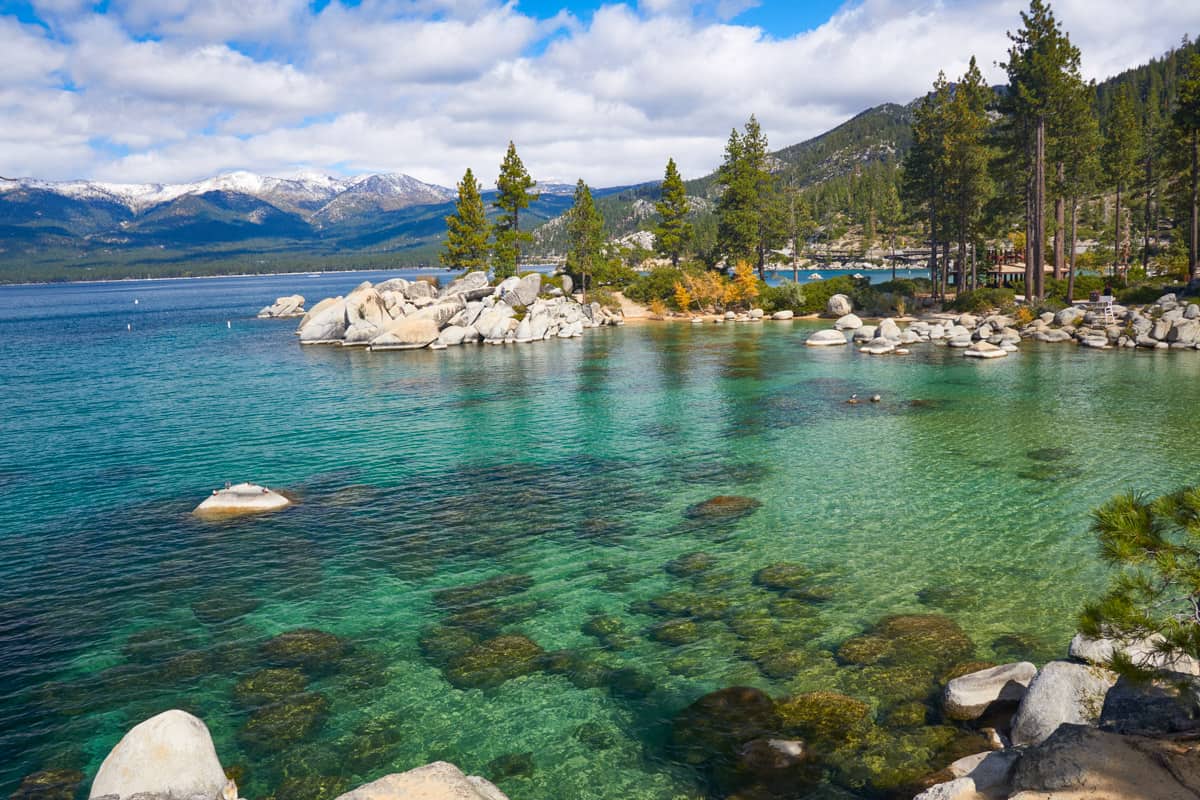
(563,483)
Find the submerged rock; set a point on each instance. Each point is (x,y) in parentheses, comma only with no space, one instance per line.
(168,755)
(825,717)
(723,507)
(783,576)
(241,498)
(689,564)
(719,724)
(269,686)
(307,648)
(292,719)
(492,662)
(49,784)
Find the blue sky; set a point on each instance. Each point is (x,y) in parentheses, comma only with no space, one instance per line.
(177,90)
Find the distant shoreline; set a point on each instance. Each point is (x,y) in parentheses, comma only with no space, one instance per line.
(230,275)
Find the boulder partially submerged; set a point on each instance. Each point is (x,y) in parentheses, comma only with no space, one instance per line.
(241,498)
(437,781)
(284,307)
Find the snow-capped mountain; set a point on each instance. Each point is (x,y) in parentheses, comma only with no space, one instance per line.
(305,193)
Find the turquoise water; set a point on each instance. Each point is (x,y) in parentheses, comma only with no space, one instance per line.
(572,464)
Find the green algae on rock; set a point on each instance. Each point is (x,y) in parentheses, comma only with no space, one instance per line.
(690,564)
(825,717)
(675,632)
(292,719)
(494,661)
(308,648)
(715,726)
(723,507)
(485,591)
(49,784)
(784,576)
(269,685)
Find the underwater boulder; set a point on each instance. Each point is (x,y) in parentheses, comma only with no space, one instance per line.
(723,507)
(675,632)
(292,719)
(485,591)
(494,661)
(689,564)
(269,686)
(307,648)
(49,784)
(784,576)
(824,717)
(715,727)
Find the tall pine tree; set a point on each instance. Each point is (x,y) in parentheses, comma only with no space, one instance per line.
(673,234)
(925,166)
(1122,153)
(585,234)
(1042,67)
(749,218)
(513,184)
(467,229)
(1187,121)
(967,181)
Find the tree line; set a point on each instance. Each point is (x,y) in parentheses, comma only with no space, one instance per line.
(1020,166)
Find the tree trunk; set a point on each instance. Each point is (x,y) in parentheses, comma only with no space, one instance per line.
(933,264)
(1030,202)
(516,240)
(1149,211)
(945,266)
(1117,232)
(960,269)
(1039,219)
(1195,207)
(1074,230)
(1060,226)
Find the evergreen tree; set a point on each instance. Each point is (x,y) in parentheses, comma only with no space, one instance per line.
(673,234)
(585,232)
(801,225)
(1122,152)
(1079,156)
(749,218)
(467,229)
(967,181)
(1156,593)
(1187,121)
(925,166)
(514,184)
(1042,67)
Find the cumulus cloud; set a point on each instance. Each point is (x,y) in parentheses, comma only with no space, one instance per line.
(167,90)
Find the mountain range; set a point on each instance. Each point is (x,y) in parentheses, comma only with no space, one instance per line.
(247,222)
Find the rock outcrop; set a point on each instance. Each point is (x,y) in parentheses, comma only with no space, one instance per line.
(405,315)
(967,697)
(1061,693)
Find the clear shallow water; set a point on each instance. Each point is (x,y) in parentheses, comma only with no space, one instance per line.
(569,462)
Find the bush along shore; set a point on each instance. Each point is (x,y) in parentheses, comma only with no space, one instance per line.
(1166,324)
(407,315)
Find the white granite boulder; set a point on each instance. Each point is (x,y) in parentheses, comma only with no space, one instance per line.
(849,322)
(284,307)
(406,334)
(170,755)
(888,329)
(967,697)
(241,498)
(1061,692)
(786,313)
(325,323)
(984,350)
(524,291)
(839,305)
(1143,652)
(825,338)
(437,781)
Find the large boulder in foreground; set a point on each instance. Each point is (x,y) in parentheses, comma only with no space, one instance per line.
(437,781)
(1081,762)
(241,498)
(969,696)
(167,756)
(325,323)
(1062,693)
(525,291)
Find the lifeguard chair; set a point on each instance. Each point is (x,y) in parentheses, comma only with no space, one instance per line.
(1103,303)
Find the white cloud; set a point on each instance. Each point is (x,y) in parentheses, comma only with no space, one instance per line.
(193,87)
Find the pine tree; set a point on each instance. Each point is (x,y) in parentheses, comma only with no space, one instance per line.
(750,219)
(1187,122)
(1122,153)
(925,165)
(467,229)
(1156,593)
(585,232)
(1079,154)
(1042,67)
(513,184)
(673,234)
(967,181)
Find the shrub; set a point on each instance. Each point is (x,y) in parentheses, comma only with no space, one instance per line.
(787,296)
(657,284)
(985,299)
(1024,315)
(1140,295)
(604,296)
(658,308)
(817,293)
